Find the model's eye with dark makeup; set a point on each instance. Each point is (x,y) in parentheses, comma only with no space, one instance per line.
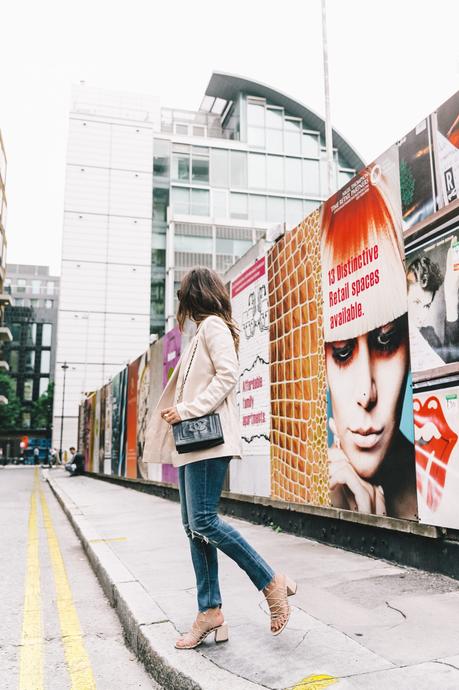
(387,338)
(342,350)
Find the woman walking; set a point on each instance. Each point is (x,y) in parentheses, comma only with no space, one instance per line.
(202,383)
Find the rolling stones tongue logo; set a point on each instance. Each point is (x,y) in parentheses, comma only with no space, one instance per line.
(434,442)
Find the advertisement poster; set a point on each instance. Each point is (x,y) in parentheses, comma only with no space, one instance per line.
(447,119)
(108,430)
(433,299)
(171,353)
(249,299)
(370,429)
(95,449)
(88,432)
(100,460)
(131,420)
(417,187)
(119,384)
(143,395)
(436,419)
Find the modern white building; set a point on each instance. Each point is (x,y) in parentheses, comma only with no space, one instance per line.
(153,191)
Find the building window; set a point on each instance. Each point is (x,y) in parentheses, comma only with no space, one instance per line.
(181,167)
(160,204)
(14,361)
(238,169)
(28,389)
(181,200)
(44,382)
(255,123)
(239,206)
(200,164)
(36,284)
(293,136)
(293,175)
(311,147)
(48,303)
(275,180)
(161,158)
(275,209)
(219,203)
(311,177)
(31,334)
(219,174)
(257,171)
(21,286)
(46,334)
(29,361)
(257,208)
(16,332)
(35,303)
(45,361)
(294,212)
(50,288)
(274,129)
(344,176)
(26,420)
(200,202)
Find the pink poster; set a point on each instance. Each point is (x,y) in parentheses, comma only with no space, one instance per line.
(171,355)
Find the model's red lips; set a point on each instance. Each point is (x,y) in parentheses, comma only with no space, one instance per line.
(434,443)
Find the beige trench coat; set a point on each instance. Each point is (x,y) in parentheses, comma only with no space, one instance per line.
(210,387)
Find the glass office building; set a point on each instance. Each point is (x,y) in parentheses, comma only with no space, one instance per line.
(153,191)
(249,159)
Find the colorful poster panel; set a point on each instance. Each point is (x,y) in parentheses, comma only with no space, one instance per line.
(436,419)
(171,355)
(95,449)
(131,420)
(299,463)
(101,457)
(143,395)
(370,430)
(417,187)
(447,120)
(119,385)
(249,298)
(433,299)
(108,430)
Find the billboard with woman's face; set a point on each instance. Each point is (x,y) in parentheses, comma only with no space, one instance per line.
(370,435)
(433,301)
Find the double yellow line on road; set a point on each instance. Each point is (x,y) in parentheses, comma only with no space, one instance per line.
(31,663)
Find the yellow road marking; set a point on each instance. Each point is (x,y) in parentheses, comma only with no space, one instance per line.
(31,661)
(102,541)
(78,663)
(315,682)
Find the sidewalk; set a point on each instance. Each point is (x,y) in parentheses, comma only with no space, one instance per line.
(363,623)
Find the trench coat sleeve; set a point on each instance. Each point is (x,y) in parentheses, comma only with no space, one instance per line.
(222,352)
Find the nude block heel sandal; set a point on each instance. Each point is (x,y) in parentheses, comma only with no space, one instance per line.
(221,633)
(291,586)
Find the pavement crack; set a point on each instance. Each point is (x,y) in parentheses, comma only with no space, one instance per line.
(446,663)
(238,675)
(395,609)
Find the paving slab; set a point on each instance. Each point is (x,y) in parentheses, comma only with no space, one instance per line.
(364,622)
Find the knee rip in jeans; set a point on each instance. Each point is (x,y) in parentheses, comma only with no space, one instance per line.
(192,534)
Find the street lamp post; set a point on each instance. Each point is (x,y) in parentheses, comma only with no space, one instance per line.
(64,367)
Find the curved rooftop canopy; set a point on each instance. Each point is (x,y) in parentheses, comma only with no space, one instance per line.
(228,86)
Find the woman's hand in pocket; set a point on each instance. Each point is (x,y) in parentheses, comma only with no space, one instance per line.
(170,415)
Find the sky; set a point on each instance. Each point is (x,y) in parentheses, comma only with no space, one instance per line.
(391,63)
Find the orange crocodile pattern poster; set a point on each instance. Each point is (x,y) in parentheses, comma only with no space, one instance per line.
(299,465)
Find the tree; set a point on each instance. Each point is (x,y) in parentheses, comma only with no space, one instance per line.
(10,415)
(42,409)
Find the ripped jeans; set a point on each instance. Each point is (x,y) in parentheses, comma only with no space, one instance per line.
(200,485)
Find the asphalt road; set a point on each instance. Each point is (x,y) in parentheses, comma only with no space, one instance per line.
(57,629)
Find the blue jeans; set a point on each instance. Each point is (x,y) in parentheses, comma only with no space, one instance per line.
(200,486)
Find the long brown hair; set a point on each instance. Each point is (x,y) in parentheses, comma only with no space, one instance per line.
(202,293)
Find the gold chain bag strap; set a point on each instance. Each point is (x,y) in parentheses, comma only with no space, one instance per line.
(200,432)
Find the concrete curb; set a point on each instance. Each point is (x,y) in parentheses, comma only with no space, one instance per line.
(149,633)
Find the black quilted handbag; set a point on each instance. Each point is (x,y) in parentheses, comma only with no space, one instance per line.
(200,432)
